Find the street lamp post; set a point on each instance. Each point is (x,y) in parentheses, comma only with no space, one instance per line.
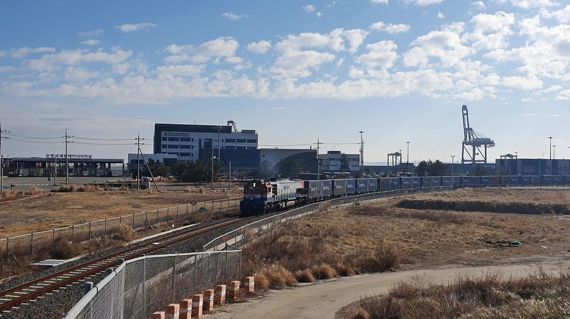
(553,151)
(452,159)
(407,156)
(550,146)
(361,153)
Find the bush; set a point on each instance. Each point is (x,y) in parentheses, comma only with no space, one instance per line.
(279,277)
(62,249)
(382,259)
(126,233)
(324,271)
(305,276)
(261,282)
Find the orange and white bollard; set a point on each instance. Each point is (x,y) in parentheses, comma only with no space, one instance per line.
(220,297)
(173,311)
(158,315)
(233,293)
(186,309)
(197,304)
(249,283)
(208,300)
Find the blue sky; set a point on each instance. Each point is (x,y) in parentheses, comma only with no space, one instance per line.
(293,70)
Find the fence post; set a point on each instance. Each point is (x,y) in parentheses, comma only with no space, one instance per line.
(168,218)
(90,232)
(157,216)
(31,243)
(120,220)
(144,286)
(176,221)
(105,226)
(53,234)
(7,246)
(135,228)
(174,277)
(73,232)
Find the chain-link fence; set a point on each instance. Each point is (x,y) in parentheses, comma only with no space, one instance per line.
(240,236)
(27,244)
(141,286)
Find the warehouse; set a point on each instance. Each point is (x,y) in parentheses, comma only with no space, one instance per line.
(54,165)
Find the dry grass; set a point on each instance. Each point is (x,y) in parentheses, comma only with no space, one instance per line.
(486,206)
(66,208)
(125,234)
(536,296)
(379,236)
(63,249)
(305,276)
(279,277)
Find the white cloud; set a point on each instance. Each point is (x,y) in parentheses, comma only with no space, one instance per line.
(379,1)
(422,3)
(479,5)
(445,45)
(75,57)
(379,55)
(309,8)
(91,42)
(440,15)
(562,15)
(299,64)
(530,82)
(336,40)
(260,47)
(25,51)
(215,50)
(491,31)
(529,4)
(136,27)
(233,16)
(390,28)
(188,70)
(91,33)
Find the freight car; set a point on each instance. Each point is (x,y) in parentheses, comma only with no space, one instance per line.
(261,196)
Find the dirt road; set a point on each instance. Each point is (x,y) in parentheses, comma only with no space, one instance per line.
(323,300)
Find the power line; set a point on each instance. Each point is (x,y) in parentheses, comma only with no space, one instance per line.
(33,142)
(103,139)
(103,144)
(33,137)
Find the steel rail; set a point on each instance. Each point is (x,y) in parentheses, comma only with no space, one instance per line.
(31,290)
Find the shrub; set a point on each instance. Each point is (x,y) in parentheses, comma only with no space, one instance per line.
(382,259)
(279,277)
(62,249)
(261,282)
(324,271)
(126,233)
(304,276)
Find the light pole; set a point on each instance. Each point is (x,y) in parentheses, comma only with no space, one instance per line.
(550,148)
(452,159)
(553,151)
(407,156)
(361,153)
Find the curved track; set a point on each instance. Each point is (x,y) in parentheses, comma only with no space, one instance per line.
(37,288)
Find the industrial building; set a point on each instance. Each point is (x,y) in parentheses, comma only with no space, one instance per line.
(270,159)
(335,161)
(54,165)
(532,166)
(224,143)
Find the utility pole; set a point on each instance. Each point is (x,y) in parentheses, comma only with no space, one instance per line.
(318,159)
(361,153)
(550,148)
(66,160)
(554,152)
(407,156)
(1,162)
(139,160)
(212,175)
(452,159)
(230,175)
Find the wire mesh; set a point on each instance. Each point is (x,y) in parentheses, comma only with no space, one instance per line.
(147,284)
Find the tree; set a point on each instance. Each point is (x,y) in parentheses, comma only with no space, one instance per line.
(199,171)
(430,168)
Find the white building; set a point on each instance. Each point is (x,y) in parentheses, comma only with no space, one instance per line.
(335,161)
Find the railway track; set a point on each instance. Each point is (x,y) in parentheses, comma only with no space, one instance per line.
(39,288)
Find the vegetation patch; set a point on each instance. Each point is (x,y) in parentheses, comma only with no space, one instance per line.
(536,296)
(485,206)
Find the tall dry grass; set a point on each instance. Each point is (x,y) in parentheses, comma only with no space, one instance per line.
(310,255)
(536,296)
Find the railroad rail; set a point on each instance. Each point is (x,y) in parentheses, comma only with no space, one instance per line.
(16,296)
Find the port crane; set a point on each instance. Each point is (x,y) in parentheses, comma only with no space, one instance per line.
(474,144)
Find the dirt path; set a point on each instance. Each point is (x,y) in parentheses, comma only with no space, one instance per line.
(323,300)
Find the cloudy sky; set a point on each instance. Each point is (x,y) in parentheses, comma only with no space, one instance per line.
(399,70)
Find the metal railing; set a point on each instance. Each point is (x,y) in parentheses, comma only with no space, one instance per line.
(28,244)
(240,236)
(140,286)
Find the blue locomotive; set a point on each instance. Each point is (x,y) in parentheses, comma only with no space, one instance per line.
(263,196)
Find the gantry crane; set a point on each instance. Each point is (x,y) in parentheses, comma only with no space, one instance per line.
(474,143)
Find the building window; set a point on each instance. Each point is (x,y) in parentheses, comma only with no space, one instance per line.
(252,141)
(172,146)
(186,146)
(173,139)
(186,139)
(230,140)
(239,140)
(165,139)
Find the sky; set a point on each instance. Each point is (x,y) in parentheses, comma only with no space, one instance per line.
(295,71)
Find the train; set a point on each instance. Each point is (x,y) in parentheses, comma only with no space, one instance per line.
(273,195)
